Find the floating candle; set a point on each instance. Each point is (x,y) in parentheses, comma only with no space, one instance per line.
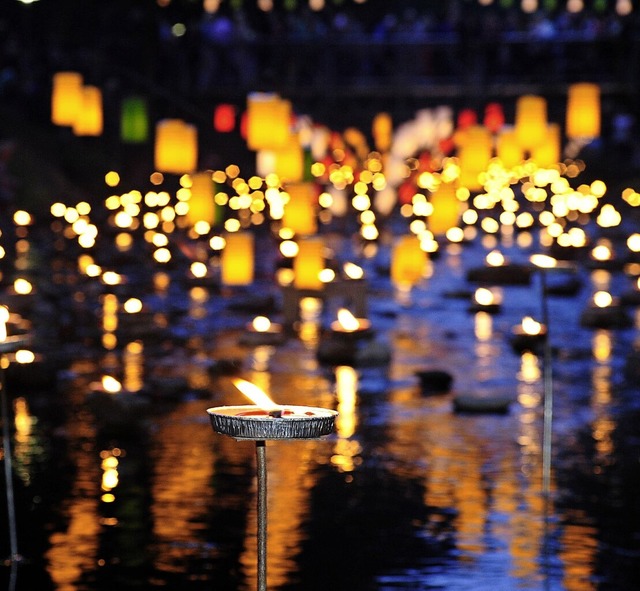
(261,331)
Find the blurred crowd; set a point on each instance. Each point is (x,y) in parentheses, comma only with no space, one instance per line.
(183,47)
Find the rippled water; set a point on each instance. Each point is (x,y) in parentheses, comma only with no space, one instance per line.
(407,494)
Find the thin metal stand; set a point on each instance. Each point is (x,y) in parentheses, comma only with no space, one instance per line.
(8,470)
(261,456)
(547,431)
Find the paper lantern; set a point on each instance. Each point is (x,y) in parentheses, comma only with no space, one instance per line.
(466,118)
(308,264)
(408,261)
(268,121)
(508,149)
(134,120)
(446,209)
(300,210)
(201,203)
(224,118)
(531,121)
(289,161)
(583,111)
(382,131)
(474,155)
(89,120)
(493,117)
(548,153)
(66,97)
(237,259)
(176,147)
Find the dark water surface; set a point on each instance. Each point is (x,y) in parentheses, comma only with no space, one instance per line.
(407,494)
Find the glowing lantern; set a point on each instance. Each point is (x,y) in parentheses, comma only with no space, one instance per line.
(531,121)
(201,203)
(66,97)
(493,117)
(176,147)
(547,154)
(382,131)
(446,209)
(474,155)
(268,121)
(134,120)
(583,111)
(508,150)
(289,160)
(408,261)
(308,264)
(237,259)
(300,211)
(224,118)
(467,118)
(89,118)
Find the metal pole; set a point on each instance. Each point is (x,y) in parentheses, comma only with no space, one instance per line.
(547,378)
(8,472)
(261,456)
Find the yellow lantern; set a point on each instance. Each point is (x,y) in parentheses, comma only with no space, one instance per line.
(308,264)
(547,154)
(201,203)
(508,150)
(474,154)
(382,131)
(66,97)
(89,120)
(408,261)
(289,160)
(531,121)
(300,210)
(446,209)
(268,121)
(583,111)
(176,147)
(237,259)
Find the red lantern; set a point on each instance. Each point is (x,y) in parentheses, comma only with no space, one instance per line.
(466,118)
(224,118)
(493,117)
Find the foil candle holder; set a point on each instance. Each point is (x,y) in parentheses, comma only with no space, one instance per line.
(262,421)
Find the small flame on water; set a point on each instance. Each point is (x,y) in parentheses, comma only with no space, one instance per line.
(255,394)
(531,326)
(261,324)
(110,384)
(347,320)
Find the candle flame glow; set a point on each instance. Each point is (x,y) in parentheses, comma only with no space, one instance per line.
(255,394)
(261,324)
(110,384)
(602,299)
(495,258)
(531,326)
(347,320)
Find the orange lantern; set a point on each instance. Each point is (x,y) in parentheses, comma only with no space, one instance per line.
(547,154)
(237,259)
(474,155)
(446,209)
(66,97)
(308,264)
(289,160)
(583,111)
(493,117)
(531,121)
(268,121)
(408,261)
(176,147)
(89,119)
(224,118)
(382,131)
(508,150)
(300,210)
(201,203)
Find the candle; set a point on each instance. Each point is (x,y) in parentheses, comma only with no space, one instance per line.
(529,335)
(347,324)
(261,331)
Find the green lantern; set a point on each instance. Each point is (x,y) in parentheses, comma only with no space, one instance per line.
(134,120)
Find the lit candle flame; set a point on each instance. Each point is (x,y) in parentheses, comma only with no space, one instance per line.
(543,261)
(531,326)
(4,317)
(110,384)
(255,394)
(261,324)
(484,296)
(602,299)
(347,320)
(495,258)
